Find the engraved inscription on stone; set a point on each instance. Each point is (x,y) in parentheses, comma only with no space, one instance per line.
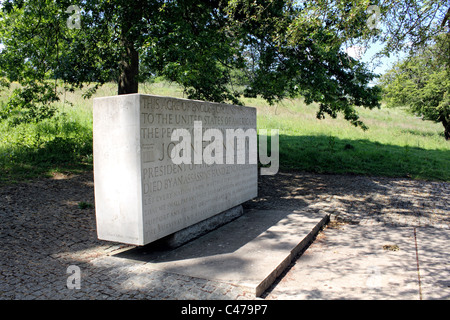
(141,194)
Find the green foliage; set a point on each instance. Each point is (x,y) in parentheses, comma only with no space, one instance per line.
(397,143)
(63,143)
(29,30)
(422,82)
(411,25)
(31,103)
(279,47)
(297,50)
(194,50)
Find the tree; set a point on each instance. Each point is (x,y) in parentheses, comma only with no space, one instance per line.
(422,83)
(421,80)
(284,48)
(411,25)
(298,50)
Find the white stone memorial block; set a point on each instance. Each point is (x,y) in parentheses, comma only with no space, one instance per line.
(142,192)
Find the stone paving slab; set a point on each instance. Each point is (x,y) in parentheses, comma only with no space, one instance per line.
(434,262)
(370,262)
(252,251)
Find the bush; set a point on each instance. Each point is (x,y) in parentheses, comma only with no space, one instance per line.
(62,143)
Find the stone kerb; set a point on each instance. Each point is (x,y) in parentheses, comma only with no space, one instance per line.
(141,193)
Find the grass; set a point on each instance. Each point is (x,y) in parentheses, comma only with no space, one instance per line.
(397,144)
(63,144)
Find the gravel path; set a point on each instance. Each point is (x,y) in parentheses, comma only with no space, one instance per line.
(43,232)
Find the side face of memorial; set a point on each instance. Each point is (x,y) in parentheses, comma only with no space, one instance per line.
(141,194)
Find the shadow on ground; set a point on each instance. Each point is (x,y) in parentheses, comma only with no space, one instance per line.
(43,229)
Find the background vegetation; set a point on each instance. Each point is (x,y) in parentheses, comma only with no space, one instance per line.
(262,53)
(397,144)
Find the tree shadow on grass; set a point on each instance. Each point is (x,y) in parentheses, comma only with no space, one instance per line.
(328,154)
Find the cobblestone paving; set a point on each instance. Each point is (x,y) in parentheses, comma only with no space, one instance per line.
(43,232)
(358,199)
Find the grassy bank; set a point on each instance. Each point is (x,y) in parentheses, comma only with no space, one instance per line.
(397,144)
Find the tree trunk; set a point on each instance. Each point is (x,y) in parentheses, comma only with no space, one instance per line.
(129,70)
(131,14)
(447,129)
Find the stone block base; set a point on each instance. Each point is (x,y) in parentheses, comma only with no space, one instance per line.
(199,229)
